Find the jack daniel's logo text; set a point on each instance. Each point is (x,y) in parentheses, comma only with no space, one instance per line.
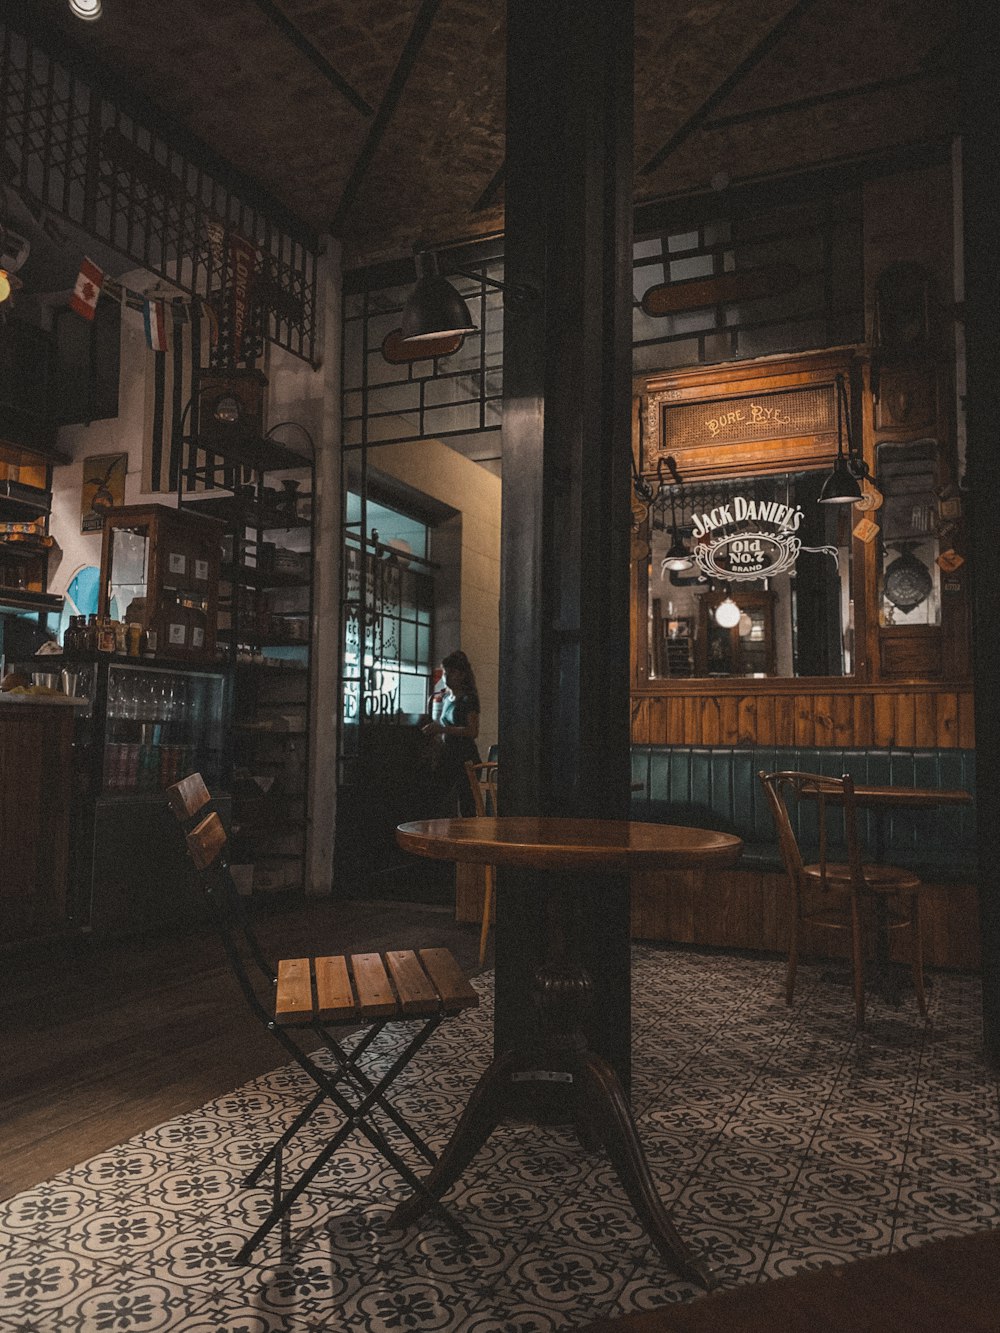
(741,510)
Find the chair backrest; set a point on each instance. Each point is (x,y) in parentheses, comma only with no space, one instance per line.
(208,848)
(828,795)
(188,798)
(483,782)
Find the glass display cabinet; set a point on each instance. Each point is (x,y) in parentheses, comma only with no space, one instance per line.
(160,569)
(145,727)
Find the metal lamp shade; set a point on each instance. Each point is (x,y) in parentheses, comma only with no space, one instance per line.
(434,309)
(841,486)
(678,557)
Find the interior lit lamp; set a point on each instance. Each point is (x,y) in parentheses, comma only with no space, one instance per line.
(843,485)
(434,308)
(727,613)
(87,10)
(4,285)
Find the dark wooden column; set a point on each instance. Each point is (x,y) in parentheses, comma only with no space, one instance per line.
(564,682)
(981,207)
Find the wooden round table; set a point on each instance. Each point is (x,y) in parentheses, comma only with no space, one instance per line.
(558,1056)
(568,844)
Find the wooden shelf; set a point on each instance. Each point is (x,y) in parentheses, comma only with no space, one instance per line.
(263,579)
(263,455)
(20,503)
(234,509)
(21,600)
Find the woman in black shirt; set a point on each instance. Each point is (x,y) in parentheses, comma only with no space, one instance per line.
(458,729)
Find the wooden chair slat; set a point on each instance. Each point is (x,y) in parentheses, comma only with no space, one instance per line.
(187,797)
(376,998)
(455,991)
(334,996)
(207,841)
(293,1001)
(415,989)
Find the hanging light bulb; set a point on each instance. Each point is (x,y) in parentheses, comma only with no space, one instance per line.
(727,613)
(88,10)
(4,285)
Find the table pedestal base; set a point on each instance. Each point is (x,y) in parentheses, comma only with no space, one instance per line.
(603,1116)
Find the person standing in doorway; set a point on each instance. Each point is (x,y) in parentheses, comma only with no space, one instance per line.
(458,729)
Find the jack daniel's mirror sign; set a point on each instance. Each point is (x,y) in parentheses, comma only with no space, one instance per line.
(749,539)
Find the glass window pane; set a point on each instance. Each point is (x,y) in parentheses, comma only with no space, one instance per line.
(767,587)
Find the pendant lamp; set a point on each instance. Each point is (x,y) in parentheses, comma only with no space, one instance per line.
(843,485)
(434,308)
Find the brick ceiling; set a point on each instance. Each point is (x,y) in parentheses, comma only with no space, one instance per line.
(383,119)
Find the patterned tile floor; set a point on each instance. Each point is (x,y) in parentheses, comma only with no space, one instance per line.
(781,1139)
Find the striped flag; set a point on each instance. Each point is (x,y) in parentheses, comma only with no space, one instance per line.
(87,289)
(171,413)
(154,316)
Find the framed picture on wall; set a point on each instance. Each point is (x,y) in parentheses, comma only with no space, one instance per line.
(103,488)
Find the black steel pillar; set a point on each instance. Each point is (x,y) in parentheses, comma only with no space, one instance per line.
(564,636)
(981,209)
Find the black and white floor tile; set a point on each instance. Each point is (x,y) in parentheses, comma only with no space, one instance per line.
(781,1139)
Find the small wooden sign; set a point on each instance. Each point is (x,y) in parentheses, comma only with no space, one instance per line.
(399,353)
(866,531)
(949,561)
(674,298)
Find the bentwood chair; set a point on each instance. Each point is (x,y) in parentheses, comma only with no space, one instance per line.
(834,893)
(312,997)
(483,781)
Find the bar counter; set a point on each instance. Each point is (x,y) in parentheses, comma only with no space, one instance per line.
(36,745)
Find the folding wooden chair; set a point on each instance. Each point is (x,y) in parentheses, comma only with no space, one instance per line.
(319,995)
(483,781)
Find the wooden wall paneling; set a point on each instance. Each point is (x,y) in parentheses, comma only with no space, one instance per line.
(711,727)
(729,711)
(746,909)
(692,719)
(864,720)
(946,720)
(924,720)
(676,718)
(805,723)
(640,721)
(784,719)
(658,720)
(906,722)
(823,719)
(885,721)
(747,727)
(842,719)
(765,719)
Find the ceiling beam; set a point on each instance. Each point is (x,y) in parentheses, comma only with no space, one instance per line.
(763,48)
(298,39)
(492,192)
(418,33)
(820,99)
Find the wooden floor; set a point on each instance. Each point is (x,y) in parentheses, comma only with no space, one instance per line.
(99,1041)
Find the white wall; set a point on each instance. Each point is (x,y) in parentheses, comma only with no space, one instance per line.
(296,392)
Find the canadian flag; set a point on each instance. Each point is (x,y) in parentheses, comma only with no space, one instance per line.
(87,289)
